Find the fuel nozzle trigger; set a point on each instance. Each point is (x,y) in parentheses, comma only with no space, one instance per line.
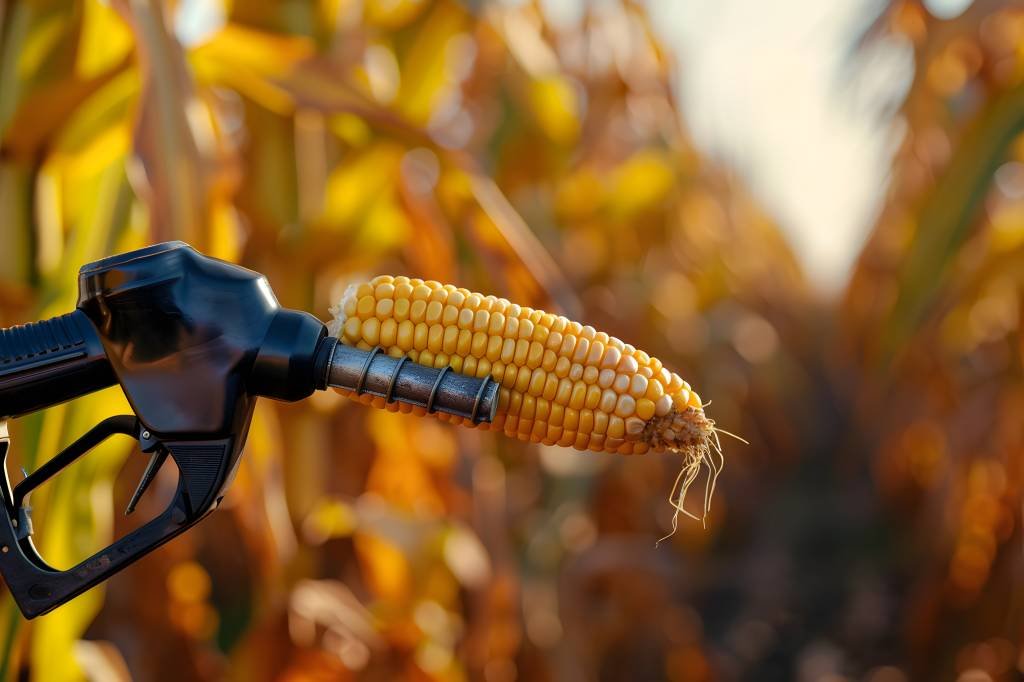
(157,456)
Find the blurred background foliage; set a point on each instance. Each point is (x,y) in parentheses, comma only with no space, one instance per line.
(871,530)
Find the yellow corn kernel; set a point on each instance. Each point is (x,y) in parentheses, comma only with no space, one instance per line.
(494,346)
(557,415)
(464,343)
(404,337)
(385,308)
(616,427)
(571,420)
(435,337)
(586,421)
(543,411)
(550,386)
(625,406)
(449,339)
(478,346)
(371,331)
(420,334)
(548,361)
(434,311)
(388,333)
(365,307)
(537,381)
(579,391)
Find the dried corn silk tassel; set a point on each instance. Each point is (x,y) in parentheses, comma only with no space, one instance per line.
(562,383)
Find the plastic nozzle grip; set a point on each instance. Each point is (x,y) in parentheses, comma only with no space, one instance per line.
(402,380)
(49,362)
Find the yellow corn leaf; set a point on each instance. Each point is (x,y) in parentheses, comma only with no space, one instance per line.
(11,623)
(356,185)
(1008,227)
(424,66)
(331,12)
(392,14)
(454,190)
(329,518)
(105,39)
(248,61)
(49,219)
(35,48)
(948,216)
(265,53)
(102,210)
(17,23)
(397,474)
(244,81)
(15,256)
(42,115)
(45,37)
(350,128)
(225,239)
(103,149)
(555,107)
(641,183)
(580,195)
(135,233)
(108,108)
(385,567)
(386,227)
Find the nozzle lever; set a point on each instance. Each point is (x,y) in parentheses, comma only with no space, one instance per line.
(156,460)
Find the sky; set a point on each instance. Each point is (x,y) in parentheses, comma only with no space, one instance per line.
(777,92)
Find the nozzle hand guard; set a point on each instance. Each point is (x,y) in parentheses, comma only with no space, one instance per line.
(193,341)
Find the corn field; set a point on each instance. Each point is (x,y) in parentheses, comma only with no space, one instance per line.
(871,528)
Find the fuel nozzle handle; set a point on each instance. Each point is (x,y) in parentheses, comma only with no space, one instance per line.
(193,342)
(48,362)
(400,379)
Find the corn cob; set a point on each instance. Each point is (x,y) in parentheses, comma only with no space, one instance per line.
(562,383)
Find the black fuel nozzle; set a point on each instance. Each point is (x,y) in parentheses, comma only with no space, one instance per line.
(193,341)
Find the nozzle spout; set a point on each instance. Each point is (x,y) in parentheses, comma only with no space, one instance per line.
(402,380)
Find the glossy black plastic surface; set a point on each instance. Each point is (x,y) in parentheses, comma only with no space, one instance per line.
(49,362)
(182,332)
